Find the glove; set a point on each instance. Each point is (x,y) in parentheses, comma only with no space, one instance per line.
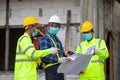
(64,60)
(54,50)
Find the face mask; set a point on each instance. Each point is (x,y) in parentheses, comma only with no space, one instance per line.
(53,31)
(35,33)
(87,36)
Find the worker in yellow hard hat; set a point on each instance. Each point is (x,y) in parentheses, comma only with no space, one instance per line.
(95,68)
(26,54)
(86,26)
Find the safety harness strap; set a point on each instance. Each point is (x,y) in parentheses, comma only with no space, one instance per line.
(53,43)
(51,64)
(52,40)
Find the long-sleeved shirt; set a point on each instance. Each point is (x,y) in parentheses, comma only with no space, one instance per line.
(45,43)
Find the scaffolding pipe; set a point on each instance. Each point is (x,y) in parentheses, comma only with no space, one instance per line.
(96,16)
(7,36)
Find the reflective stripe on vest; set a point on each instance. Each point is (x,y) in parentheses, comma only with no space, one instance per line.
(98,45)
(23,53)
(19,49)
(51,64)
(24,60)
(94,61)
(32,54)
(24,50)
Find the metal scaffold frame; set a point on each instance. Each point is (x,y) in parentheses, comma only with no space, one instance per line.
(7,36)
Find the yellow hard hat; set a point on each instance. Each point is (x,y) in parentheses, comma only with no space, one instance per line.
(86,26)
(29,20)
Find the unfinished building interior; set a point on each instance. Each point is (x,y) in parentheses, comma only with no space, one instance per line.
(105,14)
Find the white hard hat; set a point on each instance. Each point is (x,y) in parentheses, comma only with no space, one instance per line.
(55,19)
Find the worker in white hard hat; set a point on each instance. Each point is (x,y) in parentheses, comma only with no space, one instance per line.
(52,62)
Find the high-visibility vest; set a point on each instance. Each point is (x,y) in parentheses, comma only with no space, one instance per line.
(95,68)
(51,64)
(26,54)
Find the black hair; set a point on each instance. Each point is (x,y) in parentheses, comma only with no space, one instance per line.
(92,30)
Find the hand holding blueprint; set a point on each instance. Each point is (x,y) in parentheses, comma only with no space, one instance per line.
(79,63)
(74,56)
(91,50)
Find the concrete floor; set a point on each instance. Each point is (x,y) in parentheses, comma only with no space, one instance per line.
(9,76)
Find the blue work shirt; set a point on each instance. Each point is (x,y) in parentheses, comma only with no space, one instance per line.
(45,43)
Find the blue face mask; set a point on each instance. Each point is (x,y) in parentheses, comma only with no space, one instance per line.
(35,33)
(87,36)
(53,31)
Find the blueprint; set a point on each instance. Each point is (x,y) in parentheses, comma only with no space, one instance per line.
(79,62)
(75,66)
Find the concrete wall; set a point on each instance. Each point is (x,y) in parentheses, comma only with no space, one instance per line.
(116,31)
(109,17)
(101,19)
(23,8)
(2,12)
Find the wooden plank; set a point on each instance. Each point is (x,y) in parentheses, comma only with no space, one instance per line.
(111,57)
(108,36)
(67,30)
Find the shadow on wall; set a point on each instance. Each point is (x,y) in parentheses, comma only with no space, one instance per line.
(15,33)
(2,49)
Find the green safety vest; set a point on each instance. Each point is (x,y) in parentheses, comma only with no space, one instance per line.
(95,68)
(26,55)
(51,64)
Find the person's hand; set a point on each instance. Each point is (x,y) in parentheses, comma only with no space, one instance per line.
(81,72)
(95,52)
(64,60)
(69,53)
(54,50)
